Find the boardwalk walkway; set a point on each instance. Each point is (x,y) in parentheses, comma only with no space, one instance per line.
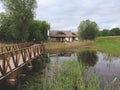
(16,56)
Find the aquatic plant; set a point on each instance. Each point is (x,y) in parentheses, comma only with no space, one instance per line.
(66,76)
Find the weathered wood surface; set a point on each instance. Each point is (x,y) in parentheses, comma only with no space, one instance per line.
(15,47)
(14,58)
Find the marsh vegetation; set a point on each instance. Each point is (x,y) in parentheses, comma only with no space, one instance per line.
(94,65)
(87,65)
(83,70)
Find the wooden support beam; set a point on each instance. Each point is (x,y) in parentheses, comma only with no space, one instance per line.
(11,82)
(1,70)
(24,52)
(13,58)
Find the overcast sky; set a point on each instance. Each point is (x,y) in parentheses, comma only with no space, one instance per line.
(67,14)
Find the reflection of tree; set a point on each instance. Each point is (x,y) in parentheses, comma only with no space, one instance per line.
(87,57)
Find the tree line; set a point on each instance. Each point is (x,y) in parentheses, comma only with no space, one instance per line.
(111,32)
(89,30)
(17,23)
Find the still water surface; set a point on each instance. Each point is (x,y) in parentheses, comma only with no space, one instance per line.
(106,67)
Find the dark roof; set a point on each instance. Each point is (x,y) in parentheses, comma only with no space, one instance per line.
(61,33)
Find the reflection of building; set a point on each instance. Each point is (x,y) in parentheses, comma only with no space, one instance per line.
(62,36)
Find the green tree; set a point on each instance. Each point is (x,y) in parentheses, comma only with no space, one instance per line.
(38,30)
(45,26)
(6,29)
(115,31)
(105,32)
(21,14)
(87,30)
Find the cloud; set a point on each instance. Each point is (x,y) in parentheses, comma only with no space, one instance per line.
(64,14)
(1,8)
(115,25)
(67,14)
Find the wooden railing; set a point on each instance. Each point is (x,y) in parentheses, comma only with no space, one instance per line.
(15,47)
(17,56)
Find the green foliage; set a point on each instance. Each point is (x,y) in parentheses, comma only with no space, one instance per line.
(38,30)
(115,31)
(18,17)
(87,30)
(6,28)
(104,32)
(107,32)
(44,29)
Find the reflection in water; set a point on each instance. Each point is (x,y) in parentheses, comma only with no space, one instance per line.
(106,67)
(65,54)
(87,57)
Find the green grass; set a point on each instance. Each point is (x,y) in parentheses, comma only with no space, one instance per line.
(109,45)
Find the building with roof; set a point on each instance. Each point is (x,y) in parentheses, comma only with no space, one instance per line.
(62,36)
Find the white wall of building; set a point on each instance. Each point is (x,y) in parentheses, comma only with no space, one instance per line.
(69,39)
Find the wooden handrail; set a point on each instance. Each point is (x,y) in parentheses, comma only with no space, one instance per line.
(15,46)
(13,59)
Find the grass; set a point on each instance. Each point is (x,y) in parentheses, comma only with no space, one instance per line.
(109,45)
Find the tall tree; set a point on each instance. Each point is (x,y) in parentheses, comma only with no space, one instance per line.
(21,12)
(38,30)
(6,30)
(87,30)
(45,26)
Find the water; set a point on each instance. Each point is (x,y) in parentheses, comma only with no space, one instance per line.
(97,62)
(106,67)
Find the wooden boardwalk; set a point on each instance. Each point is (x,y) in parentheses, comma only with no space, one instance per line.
(14,57)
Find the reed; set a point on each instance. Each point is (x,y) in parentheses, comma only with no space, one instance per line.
(66,76)
(56,47)
(109,45)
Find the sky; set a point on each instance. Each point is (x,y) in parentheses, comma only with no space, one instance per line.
(68,14)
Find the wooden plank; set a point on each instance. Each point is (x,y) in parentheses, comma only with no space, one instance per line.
(33,51)
(13,58)
(19,54)
(29,51)
(3,63)
(7,60)
(1,70)
(2,49)
(16,54)
(8,63)
(8,48)
(22,52)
